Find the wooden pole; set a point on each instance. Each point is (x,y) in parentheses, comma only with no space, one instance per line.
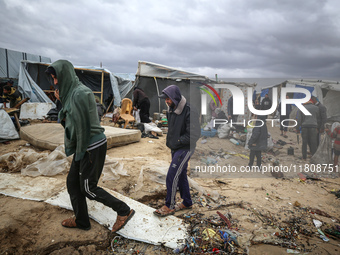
(21,102)
(102,89)
(110,105)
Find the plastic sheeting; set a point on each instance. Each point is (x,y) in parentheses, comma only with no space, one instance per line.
(125,83)
(14,162)
(7,128)
(153,78)
(29,88)
(33,73)
(160,71)
(10,62)
(25,187)
(313,88)
(55,163)
(90,76)
(144,226)
(323,155)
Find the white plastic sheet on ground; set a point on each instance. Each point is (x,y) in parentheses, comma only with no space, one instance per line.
(7,128)
(25,187)
(144,226)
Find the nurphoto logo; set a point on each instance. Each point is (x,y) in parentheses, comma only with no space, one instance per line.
(239,103)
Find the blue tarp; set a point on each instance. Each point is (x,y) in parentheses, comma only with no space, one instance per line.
(264,92)
(302,95)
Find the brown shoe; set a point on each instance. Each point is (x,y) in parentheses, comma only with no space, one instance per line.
(122,220)
(71,223)
(181,206)
(164,211)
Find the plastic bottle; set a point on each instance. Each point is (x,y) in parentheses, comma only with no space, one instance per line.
(234,141)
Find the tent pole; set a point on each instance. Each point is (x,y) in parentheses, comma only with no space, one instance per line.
(102,90)
(159,100)
(110,105)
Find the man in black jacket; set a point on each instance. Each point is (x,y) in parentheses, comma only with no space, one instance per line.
(266,103)
(141,102)
(257,142)
(183,133)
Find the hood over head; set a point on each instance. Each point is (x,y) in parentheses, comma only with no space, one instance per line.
(67,78)
(173,93)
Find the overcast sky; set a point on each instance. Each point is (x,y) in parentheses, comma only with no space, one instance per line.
(231,38)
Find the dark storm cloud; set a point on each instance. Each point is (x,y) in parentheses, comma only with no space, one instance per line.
(230,38)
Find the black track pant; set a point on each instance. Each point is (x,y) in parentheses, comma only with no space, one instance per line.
(82,182)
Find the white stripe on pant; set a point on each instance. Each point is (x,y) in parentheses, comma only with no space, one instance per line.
(176,178)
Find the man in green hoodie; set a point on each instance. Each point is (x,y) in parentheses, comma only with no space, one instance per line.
(85,138)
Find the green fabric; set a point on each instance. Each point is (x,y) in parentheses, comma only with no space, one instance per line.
(79,114)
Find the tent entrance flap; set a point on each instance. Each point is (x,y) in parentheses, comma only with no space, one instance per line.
(189,89)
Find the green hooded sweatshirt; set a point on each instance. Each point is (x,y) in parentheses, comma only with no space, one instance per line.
(79,114)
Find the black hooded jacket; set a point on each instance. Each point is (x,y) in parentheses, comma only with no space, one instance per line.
(183,123)
(259,137)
